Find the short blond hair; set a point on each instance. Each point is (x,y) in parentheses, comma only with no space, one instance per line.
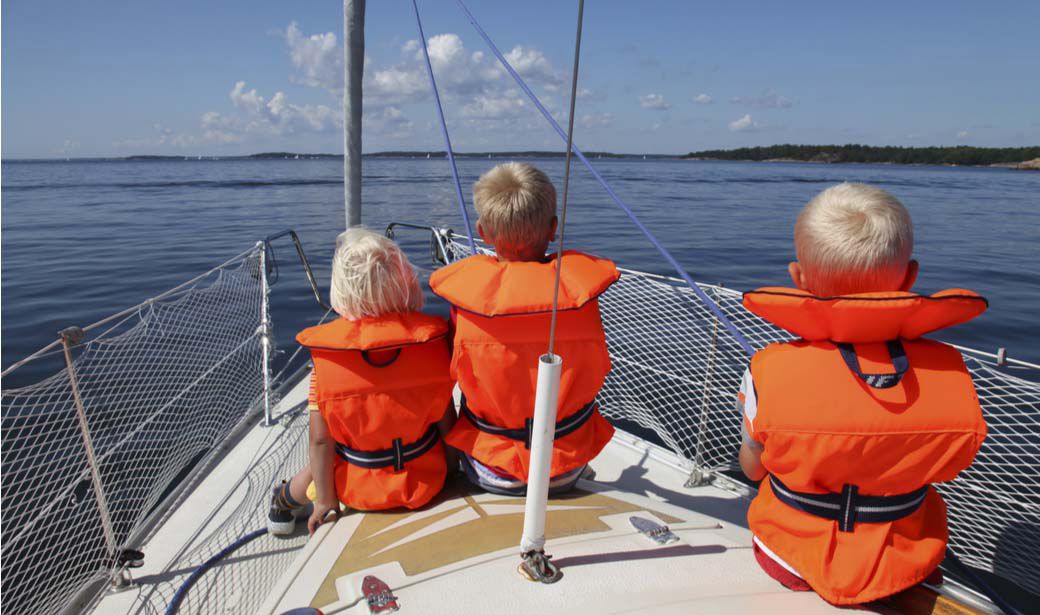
(371,276)
(516,203)
(853,238)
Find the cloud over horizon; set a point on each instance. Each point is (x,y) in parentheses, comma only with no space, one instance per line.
(768,99)
(654,101)
(744,124)
(477,86)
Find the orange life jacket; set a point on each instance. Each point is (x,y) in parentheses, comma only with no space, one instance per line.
(502,318)
(827,430)
(382,384)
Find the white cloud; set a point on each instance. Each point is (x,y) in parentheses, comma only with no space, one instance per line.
(769,99)
(391,123)
(654,101)
(963,135)
(318,58)
(703,99)
(591,95)
(259,116)
(532,64)
(68,146)
(744,124)
(474,86)
(597,120)
(472,76)
(494,107)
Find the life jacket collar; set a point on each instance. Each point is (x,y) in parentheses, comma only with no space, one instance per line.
(374,333)
(484,285)
(866,317)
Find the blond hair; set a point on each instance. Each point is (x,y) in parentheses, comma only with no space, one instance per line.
(371,276)
(516,204)
(853,238)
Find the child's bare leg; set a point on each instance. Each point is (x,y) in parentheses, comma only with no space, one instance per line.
(287,502)
(299,483)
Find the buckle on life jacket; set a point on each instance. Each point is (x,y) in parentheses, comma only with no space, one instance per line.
(848,507)
(564,427)
(878,381)
(395,457)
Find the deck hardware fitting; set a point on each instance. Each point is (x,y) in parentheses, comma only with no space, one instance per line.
(699,477)
(378,595)
(656,532)
(537,566)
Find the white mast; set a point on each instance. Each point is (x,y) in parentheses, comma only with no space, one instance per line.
(353,71)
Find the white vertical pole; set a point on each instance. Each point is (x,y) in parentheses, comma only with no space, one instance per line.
(543,431)
(353,72)
(265,334)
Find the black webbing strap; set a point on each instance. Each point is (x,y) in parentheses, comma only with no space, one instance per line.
(878,381)
(567,426)
(396,456)
(849,507)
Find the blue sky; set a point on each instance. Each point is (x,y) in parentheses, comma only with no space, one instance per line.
(230,77)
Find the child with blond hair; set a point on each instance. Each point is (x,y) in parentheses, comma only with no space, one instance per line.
(852,422)
(380,392)
(501,308)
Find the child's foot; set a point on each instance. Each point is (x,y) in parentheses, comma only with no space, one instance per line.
(281,518)
(280,522)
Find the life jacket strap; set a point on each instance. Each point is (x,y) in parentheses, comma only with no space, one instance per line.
(396,456)
(900,364)
(567,426)
(849,507)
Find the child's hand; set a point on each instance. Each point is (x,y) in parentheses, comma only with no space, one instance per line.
(320,514)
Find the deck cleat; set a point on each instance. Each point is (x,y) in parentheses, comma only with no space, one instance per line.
(537,566)
(378,595)
(656,532)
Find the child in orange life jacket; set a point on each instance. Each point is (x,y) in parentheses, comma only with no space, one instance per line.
(853,421)
(380,393)
(501,313)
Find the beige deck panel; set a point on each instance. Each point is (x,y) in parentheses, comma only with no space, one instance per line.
(460,554)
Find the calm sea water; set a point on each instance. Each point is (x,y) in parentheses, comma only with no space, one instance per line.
(82,240)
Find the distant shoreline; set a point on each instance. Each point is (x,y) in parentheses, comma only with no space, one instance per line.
(1022,158)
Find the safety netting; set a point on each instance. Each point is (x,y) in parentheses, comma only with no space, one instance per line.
(241,581)
(675,376)
(161,386)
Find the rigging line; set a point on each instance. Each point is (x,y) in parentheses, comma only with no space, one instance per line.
(707,301)
(566,176)
(444,130)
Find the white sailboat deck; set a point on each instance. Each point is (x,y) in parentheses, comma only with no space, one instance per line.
(181,468)
(459,555)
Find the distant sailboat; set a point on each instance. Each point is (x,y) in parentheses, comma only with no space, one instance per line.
(427,156)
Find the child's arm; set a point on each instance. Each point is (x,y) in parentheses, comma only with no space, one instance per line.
(751,460)
(750,449)
(321,466)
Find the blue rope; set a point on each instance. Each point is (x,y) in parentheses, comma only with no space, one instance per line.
(715,309)
(444,130)
(182,591)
